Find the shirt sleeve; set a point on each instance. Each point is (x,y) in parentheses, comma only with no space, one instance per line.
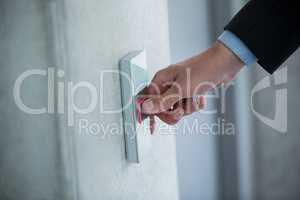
(232,42)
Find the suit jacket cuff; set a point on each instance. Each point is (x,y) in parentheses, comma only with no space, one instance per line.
(232,42)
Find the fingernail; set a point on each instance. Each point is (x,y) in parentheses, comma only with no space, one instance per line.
(148,106)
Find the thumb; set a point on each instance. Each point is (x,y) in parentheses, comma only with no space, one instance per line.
(161,103)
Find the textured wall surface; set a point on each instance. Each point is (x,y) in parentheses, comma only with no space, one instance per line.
(99,33)
(29,149)
(42,158)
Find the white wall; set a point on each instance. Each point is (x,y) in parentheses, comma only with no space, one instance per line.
(42,158)
(99,33)
(29,149)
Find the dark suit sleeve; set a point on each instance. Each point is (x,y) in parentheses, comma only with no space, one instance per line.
(270,29)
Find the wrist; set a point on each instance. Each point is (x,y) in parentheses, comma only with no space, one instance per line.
(226,60)
(227,57)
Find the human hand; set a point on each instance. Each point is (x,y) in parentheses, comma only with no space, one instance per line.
(176,90)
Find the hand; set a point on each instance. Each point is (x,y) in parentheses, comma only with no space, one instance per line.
(171,94)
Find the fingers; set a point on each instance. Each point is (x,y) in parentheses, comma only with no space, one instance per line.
(192,105)
(162,92)
(161,81)
(182,108)
(172,117)
(161,103)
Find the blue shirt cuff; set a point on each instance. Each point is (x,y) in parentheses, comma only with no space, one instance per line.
(237,46)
